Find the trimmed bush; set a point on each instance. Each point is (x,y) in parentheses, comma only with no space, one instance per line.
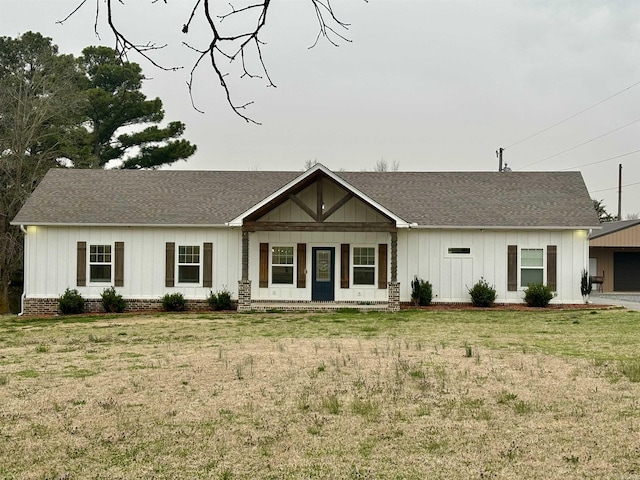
(71,302)
(586,284)
(173,302)
(482,294)
(111,301)
(538,295)
(421,292)
(220,300)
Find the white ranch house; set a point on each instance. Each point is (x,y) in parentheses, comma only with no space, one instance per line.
(318,239)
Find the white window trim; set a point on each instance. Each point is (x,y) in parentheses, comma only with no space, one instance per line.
(178,264)
(543,268)
(294,265)
(111,263)
(353,266)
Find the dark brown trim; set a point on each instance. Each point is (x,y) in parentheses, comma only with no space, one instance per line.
(319,198)
(305,208)
(512,268)
(552,267)
(382,266)
(207,265)
(81,269)
(264,265)
(302,265)
(335,207)
(118,277)
(344,265)
(170,264)
(319,227)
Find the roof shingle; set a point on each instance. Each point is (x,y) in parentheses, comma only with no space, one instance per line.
(442,199)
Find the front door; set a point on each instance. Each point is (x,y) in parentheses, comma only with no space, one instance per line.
(323,282)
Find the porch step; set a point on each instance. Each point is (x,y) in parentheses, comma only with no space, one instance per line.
(266,306)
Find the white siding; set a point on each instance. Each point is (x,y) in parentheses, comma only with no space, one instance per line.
(50,259)
(423,252)
(315,239)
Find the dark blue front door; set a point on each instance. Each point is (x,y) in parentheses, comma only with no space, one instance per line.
(322,276)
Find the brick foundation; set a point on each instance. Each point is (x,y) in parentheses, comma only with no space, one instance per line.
(49,306)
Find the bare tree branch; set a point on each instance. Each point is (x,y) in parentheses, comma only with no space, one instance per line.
(243,45)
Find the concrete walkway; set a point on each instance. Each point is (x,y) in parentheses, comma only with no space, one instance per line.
(630,301)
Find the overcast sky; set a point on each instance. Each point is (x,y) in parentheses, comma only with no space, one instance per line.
(430,84)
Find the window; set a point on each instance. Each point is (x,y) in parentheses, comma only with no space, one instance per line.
(459,251)
(189,264)
(100,263)
(364,265)
(532,266)
(282,265)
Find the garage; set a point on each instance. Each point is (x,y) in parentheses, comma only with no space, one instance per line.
(614,256)
(626,271)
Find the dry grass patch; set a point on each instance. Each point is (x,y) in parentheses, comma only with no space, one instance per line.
(453,395)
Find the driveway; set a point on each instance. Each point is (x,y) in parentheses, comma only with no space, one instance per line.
(630,301)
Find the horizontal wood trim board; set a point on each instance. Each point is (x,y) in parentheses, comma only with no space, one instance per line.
(318,227)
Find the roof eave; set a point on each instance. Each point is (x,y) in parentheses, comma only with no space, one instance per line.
(122,225)
(503,227)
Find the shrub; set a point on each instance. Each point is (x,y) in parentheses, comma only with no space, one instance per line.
(586,284)
(71,302)
(111,301)
(482,294)
(173,302)
(220,300)
(421,292)
(538,295)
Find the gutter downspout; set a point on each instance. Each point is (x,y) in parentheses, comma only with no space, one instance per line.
(24,230)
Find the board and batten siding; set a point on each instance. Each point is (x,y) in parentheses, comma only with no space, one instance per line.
(424,252)
(353,211)
(51,260)
(357,293)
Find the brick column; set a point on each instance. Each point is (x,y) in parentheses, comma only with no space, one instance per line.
(394,296)
(244,295)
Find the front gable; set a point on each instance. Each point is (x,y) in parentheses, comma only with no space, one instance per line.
(318,200)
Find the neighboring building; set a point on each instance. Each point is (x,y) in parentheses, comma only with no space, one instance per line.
(614,256)
(318,238)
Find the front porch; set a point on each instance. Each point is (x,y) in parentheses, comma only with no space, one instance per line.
(310,306)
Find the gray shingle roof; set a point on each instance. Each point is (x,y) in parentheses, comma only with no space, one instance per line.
(456,199)
(612,227)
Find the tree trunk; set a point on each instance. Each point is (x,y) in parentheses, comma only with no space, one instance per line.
(4,292)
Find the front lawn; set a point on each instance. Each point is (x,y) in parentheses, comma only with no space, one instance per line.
(414,395)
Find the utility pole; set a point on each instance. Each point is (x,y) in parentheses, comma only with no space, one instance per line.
(619,192)
(499,155)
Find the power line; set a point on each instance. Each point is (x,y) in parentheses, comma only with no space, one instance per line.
(574,115)
(615,188)
(599,161)
(581,144)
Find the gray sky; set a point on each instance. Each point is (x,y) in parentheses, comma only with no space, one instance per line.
(431,84)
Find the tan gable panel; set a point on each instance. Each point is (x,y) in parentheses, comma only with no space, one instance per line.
(628,237)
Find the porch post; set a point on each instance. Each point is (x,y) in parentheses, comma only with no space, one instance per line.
(394,285)
(244,285)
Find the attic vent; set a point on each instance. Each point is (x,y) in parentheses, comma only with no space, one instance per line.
(459,250)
